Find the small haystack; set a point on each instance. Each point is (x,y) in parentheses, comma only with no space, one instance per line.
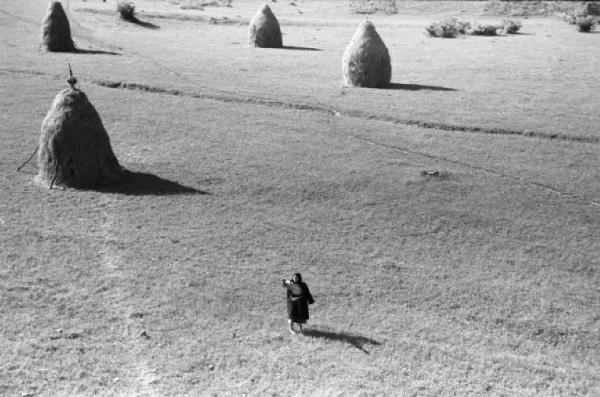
(56,31)
(74,148)
(366,61)
(264,29)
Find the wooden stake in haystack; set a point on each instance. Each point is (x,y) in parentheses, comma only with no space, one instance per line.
(366,61)
(264,29)
(56,31)
(74,149)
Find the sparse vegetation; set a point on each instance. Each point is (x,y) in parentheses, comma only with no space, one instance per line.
(511,26)
(570,16)
(453,27)
(484,30)
(126,10)
(530,8)
(201,4)
(443,30)
(369,7)
(585,24)
(449,28)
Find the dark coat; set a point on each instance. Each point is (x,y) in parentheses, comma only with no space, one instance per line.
(298,299)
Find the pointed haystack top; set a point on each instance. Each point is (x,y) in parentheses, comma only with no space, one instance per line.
(56,31)
(74,148)
(366,61)
(264,29)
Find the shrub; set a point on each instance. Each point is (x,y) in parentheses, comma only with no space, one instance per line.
(571,19)
(571,16)
(448,29)
(461,27)
(126,10)
(511,26)
(484,30)
(585,24)
(440,29)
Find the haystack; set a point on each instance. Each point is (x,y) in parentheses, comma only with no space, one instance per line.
(56,31)
(74,148)
(366,61)
(264,29)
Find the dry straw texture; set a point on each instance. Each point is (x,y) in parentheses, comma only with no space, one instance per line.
(264,29)
(366,61)
(56,31)
(74,148)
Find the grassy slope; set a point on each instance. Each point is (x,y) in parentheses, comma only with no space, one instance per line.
(474,283)
(538,81)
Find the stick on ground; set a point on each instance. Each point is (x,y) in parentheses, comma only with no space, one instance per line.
(29,159)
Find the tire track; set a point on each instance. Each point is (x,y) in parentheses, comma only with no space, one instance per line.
(137,367)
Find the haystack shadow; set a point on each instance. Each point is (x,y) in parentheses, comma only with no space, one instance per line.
(297,48)
(418,87)
(95,52)
(136,21)
(144,184)
(357,341)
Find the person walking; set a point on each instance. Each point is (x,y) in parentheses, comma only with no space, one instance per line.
(298,299)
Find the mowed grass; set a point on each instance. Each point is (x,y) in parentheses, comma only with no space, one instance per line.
(482,281)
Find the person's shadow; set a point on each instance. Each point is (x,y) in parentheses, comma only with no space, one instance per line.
(357,341)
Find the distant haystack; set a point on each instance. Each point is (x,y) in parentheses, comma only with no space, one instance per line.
(366,61)
(74,148)
(126,10)
(264,29)
(56,31)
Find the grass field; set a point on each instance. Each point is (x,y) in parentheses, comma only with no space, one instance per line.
(480,279)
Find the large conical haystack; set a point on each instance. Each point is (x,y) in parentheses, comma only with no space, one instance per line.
(74,148)
(56,31)
(366,61)
(264,29)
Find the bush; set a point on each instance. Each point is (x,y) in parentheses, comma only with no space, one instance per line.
(485,30)
(448,29)
(126,10)
(511,26)
(585,24)
(462,27)
(571,19)
(440,29)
